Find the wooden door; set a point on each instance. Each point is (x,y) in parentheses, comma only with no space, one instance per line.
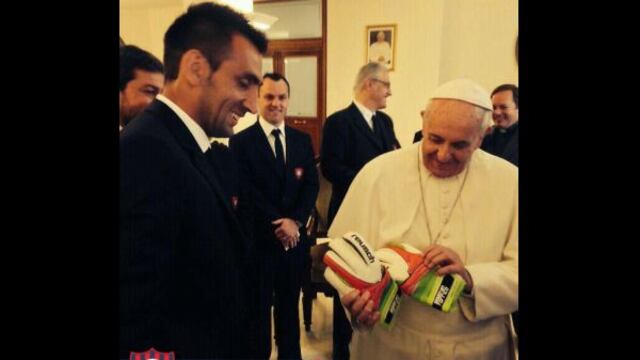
(301,62)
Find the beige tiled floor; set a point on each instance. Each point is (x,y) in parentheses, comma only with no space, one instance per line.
(316,344)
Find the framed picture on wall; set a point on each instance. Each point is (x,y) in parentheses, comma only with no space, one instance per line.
(381,45)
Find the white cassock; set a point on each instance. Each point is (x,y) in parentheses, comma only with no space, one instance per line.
(394,198)
(380,52)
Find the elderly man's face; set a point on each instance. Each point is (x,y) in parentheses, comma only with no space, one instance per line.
(452,133)
(380,89)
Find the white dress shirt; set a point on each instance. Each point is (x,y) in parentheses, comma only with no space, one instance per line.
(196,131)
(366,113)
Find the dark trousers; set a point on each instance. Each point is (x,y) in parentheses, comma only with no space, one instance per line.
(341,330)
(281,274)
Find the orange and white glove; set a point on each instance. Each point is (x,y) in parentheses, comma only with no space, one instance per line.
(405,264)
(352,264)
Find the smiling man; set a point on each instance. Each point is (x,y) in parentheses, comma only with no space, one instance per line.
(141,80)
(277,161)
(351,137)
(503,140)
(458,205)
(184,259)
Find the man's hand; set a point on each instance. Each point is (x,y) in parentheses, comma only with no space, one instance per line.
(448,262)
(361,308)
(287,232)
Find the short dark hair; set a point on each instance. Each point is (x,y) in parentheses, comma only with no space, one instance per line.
(206,27)
(133,58)
(505,87)
(276,77)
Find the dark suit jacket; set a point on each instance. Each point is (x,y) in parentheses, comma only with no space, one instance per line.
(272,201)
(348,143)
(183,257)
(417,136)
(504,145)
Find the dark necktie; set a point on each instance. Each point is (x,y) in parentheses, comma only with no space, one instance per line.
(279,152)
(377,131)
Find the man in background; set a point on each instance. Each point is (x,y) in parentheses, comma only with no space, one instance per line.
(503,140)
(141,80)
(277,161)
(351,138)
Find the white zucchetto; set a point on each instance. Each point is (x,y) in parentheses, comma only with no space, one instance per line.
(464,90)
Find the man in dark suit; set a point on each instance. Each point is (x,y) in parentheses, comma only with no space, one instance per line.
(503,140)
(351,138)
(278,162)
(184,261)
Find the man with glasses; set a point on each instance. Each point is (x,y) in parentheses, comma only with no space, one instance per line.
(351,138)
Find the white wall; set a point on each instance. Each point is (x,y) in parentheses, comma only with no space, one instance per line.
(437,40)
(300,19)
(479,40)
(145,26)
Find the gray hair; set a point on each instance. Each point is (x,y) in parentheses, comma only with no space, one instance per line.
(369,71)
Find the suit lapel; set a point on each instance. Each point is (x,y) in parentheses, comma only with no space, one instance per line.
(361,125)
(185,139)
(291,157)
(386,133)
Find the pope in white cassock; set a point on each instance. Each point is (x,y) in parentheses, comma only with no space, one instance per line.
(458,205)
(380,51)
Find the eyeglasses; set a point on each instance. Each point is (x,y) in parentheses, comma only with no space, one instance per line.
(386,84)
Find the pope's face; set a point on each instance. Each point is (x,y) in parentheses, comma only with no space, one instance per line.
(452,133)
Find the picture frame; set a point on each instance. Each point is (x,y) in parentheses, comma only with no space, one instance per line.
(381,45)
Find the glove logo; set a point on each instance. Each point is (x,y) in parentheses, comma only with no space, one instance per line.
(441,295)
(152,354)
(364,247)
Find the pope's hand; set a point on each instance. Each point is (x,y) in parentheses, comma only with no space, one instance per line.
(448,262)
(361,308)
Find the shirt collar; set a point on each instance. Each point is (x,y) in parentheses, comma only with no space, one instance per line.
(510,129)
(366,112)
(267,127)
(196,130)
